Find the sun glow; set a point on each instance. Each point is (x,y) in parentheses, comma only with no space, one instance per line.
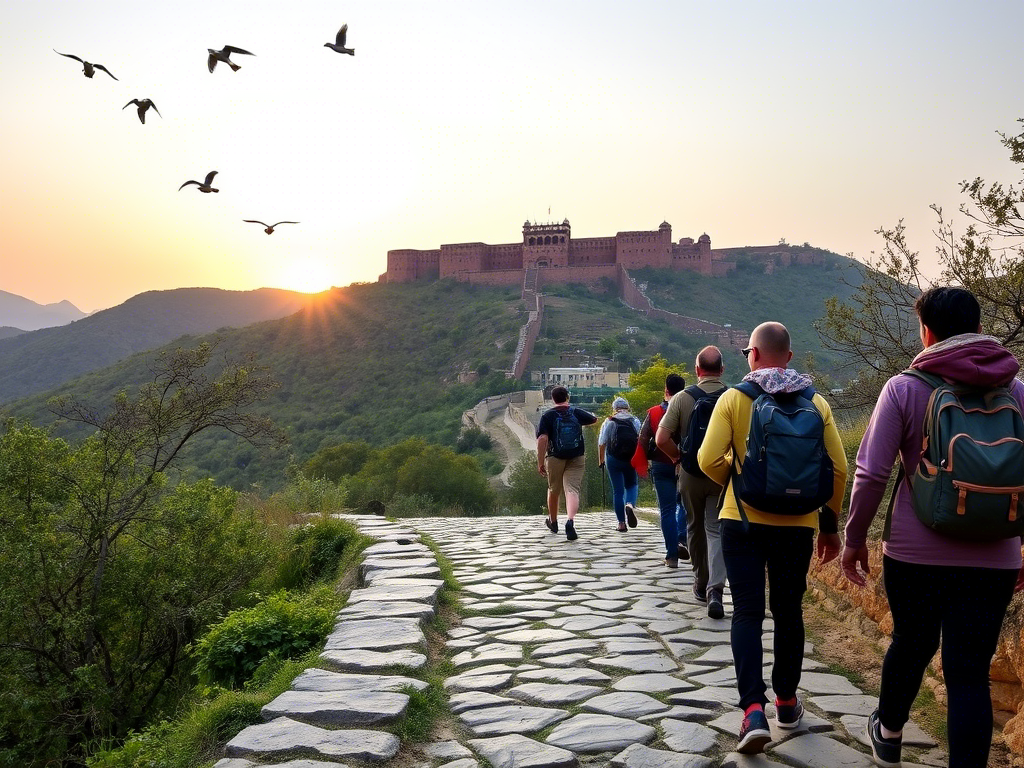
(305,276)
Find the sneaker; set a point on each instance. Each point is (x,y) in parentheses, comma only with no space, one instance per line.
(621,528)
(701,593)
(885,751)
(670,563)
(684,553)
(715,608)
(551,524)
(630,515)
(754,734)
(570,531)
(788,716)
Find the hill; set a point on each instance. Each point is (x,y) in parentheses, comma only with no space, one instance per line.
(19,312)
(43,359)
(381,363)
(7,332)
(794,296)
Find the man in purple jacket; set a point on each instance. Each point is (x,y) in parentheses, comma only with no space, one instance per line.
(936,585)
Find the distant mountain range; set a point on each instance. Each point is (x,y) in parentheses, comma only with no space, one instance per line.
(19,313)
(40,360)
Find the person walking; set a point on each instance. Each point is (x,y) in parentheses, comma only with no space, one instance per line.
(616,445)
(797,491)
(939,586)
(662,469)
(560,459)
(679,437)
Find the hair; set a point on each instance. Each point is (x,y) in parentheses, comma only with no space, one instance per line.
(560,395)
(674,383)
(710,359)
(772,340)
(947,311)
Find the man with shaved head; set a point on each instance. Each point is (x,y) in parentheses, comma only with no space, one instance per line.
(698,492)
(779,536)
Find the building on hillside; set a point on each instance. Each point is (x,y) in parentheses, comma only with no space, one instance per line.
(584,377)
(551,247)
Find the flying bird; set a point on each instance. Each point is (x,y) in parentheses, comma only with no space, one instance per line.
(143,105)
(222,55)
(204,186)
(339,42)
(269,227)
(88,69)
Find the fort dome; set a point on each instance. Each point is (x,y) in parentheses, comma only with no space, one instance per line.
(664,225)
(704,238)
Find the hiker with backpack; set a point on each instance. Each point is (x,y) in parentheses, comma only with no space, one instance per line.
(773,445)
(560,451)
(952,541)
(616,445)
(680,435)
(662,469)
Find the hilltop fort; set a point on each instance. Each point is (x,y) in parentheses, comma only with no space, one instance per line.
(557,257)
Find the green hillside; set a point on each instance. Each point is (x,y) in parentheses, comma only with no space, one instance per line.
(794,296)
(380,363)
(8,332)
(40,360)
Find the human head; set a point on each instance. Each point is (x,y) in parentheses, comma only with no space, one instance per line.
(709,361)
(769,347)
(620,404)
(674,383)
(945,312)
(560,395)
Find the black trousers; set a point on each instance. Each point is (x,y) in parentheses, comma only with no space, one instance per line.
(784,553)
(965,606)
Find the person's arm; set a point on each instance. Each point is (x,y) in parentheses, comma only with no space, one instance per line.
(600,455)
(715,454)
(542,451)
(602,438)
(829,542)
(878,451)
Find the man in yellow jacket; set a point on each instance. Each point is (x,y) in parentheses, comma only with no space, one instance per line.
(773,539)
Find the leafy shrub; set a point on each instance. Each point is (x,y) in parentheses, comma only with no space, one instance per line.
(528,489)
(313,552)
(280,625)
(337,461)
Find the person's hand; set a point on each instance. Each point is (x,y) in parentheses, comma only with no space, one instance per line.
(852,557)
(601,465)
(1020,580)
(542,469)
(828,547)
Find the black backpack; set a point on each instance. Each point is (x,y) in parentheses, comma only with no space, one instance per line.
(786,469)
(623,440)
(567,434)
(652,441)
(703,405)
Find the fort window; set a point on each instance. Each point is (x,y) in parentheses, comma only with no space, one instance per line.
(547,240)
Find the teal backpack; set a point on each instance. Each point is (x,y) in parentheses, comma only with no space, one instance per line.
(969,483)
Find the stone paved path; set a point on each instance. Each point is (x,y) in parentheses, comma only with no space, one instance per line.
(585,653)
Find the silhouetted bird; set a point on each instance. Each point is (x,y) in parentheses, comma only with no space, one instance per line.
(222,55)
(339,42)
(143,105)
(204,186)
(269,227)
(88,69)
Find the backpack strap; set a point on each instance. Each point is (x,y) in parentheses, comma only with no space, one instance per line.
(901,474)
(695,392)
(750,388)
(736,491)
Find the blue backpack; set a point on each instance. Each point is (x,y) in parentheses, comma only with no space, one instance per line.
(568,434)
(786,469)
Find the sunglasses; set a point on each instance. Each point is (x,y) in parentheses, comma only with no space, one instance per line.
(746,352)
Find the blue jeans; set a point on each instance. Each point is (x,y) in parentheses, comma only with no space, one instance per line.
(664,478)
(624,484)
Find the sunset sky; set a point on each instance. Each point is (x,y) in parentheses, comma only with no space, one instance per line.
(455,121)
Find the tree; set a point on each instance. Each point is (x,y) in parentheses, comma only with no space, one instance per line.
(876,331)
(107,570)
(647,386)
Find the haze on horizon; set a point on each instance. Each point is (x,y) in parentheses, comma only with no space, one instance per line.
(455,121)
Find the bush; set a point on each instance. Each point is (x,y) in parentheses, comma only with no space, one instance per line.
(337,461)
(281,625)
(313,553)
(528,489)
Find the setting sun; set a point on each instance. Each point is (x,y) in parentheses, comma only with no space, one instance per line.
(305,275)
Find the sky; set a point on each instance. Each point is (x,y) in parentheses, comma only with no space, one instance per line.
(456,121)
